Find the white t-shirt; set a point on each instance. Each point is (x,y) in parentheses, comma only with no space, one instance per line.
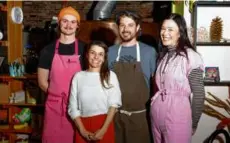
(89,98)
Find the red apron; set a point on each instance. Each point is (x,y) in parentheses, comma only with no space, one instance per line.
(58,126)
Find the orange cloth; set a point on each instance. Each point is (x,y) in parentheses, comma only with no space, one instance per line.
(69,10)
(94,123)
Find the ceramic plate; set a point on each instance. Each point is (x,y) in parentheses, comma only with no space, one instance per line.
(1,35)
(17,15)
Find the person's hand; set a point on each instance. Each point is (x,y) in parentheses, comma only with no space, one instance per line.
(86,134)
(193,131)
(99,134)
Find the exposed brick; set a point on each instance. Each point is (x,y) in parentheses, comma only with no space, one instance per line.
(37,12)
(57,6)
(28,3)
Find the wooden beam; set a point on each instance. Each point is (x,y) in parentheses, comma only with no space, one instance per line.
(14,41)
(14,33)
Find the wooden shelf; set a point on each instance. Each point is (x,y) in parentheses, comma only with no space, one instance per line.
(4,43)
(21,104)
(212,3)
(7,78)
(212,44)
(221,83)
(10,129)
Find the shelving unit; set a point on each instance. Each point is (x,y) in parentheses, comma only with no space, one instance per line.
(212,44)
(214,54)
(4,43)
(22,105)
(221,83)
(10,129)
(13,49)
(13,108)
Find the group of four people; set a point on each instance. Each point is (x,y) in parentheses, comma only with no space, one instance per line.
(108,99)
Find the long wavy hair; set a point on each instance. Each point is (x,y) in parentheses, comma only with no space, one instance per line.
(183,41)
(104,71)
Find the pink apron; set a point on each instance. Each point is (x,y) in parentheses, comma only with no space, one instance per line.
(58,126)
(170,107)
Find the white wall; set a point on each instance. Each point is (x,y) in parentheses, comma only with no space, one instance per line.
(212,56)
(208,124)
(217,56)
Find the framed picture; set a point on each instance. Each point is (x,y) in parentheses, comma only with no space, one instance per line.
(3,116)
(212,74)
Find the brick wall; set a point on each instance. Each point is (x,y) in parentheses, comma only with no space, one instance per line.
(36,13)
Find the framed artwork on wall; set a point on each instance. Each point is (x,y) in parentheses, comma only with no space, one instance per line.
(212,74)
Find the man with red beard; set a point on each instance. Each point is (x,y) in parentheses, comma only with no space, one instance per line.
(134,63)
(58,62)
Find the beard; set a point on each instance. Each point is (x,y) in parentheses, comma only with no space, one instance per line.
(127,36)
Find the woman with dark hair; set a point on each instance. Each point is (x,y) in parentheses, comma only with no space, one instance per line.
(174,114)
(94,97)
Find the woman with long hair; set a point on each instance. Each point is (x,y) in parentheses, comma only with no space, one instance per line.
(94,97)
(174,115)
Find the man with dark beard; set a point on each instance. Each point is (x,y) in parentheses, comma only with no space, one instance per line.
(58,62)
(134,63)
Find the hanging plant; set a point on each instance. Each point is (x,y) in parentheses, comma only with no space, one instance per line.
(216,29)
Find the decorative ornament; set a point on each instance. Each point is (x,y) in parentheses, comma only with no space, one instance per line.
(17,15)
(216,29)
(202,35)
(190,31)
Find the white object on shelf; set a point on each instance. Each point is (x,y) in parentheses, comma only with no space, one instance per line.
(54,20)
(22,136)
(18,97)
(1,35)
(17,15)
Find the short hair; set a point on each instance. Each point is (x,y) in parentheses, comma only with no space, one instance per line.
(128,13)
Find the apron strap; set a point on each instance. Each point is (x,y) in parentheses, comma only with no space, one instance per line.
(138,53)
(75,46)
(56,46)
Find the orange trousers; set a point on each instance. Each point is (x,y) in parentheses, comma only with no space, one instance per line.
(92,124)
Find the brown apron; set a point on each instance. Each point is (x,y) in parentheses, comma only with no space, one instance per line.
(131,124)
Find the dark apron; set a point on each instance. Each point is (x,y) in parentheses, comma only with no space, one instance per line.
(131,124)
